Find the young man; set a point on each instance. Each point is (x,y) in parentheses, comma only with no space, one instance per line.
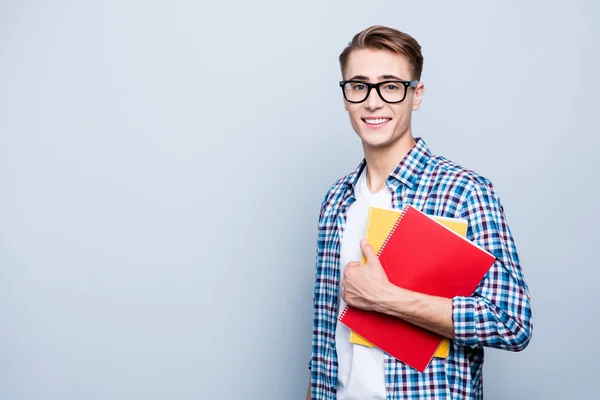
(381,69)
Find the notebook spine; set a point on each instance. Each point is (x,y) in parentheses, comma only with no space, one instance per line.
(387,239)
(369,216)
(341,317)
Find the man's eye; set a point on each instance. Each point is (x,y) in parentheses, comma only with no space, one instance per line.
(359,87)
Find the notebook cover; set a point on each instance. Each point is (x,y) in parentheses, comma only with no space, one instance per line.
(379,224)
(421,255)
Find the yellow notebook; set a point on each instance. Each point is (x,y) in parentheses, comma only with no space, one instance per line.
(379,224)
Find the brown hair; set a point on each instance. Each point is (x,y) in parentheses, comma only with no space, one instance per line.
(383,38)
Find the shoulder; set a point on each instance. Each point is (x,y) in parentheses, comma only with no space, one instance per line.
(472,195)
(335,193)
(454,176)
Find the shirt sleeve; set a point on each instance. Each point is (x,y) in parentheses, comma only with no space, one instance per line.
(498,313)
(320,219)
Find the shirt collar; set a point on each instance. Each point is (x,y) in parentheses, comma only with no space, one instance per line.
(406,172)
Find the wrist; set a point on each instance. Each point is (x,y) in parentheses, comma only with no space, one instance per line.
(393,299)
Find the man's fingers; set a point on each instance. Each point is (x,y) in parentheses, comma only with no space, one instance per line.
(367,250)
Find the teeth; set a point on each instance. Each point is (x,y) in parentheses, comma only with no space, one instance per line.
(376,121)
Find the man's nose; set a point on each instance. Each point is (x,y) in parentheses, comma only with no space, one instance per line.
(374,101)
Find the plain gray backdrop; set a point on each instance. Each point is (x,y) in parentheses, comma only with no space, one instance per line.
(162,166)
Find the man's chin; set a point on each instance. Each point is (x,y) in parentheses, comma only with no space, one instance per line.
(375,144)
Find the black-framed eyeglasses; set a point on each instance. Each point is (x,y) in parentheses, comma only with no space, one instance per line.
(389,91)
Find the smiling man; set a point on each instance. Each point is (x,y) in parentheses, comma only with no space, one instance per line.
(381,68)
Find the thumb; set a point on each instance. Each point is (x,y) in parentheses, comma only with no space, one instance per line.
(367,250)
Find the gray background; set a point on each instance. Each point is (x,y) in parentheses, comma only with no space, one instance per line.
(162,166)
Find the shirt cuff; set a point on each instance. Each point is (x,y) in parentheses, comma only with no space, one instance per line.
(464,315)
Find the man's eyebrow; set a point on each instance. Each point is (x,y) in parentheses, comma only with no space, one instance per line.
(359,78)
(380,77)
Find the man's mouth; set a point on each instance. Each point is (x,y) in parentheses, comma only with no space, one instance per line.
(376,122)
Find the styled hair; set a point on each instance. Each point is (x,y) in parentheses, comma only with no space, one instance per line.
(379,37)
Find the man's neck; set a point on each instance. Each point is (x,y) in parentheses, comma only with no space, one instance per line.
(382,161)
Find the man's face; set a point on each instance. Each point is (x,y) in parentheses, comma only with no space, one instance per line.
(377,123)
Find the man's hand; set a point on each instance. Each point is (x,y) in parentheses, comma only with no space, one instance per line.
(364,284)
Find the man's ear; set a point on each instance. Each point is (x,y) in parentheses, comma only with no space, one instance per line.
(418,97)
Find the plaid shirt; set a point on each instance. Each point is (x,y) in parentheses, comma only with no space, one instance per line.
(497,315)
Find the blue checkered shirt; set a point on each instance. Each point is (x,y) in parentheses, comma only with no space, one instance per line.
(497,314)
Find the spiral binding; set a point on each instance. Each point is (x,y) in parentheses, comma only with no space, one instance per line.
(342,314)
(387,239)
(369,222)
(367,231)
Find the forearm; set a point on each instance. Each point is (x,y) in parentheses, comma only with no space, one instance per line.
(429,312)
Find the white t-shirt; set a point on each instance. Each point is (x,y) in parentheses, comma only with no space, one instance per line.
(360,368)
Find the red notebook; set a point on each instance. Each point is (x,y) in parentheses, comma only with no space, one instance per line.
(422,255)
